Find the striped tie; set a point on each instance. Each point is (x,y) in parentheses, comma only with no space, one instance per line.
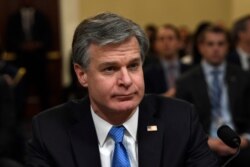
(216,93)
(120,156)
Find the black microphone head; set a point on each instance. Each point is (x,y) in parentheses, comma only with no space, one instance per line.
(228,136)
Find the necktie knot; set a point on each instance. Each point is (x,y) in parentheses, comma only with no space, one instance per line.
(215,73)
(117,133)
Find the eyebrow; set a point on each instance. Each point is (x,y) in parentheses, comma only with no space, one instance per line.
(114,63)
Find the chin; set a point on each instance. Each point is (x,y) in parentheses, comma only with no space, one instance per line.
(126,106)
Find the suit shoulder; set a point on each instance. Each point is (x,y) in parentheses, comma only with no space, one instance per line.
(162,103)
(195,71)
(56,114)
(237,71)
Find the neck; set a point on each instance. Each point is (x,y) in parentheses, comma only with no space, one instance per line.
(114,117)
(214,64)
(170,57)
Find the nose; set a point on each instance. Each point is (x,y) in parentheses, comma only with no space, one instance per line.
(124,78)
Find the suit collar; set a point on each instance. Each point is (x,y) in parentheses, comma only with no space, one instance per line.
(84,139)
(103,127)
(83,135)
(233,86)
(202,96)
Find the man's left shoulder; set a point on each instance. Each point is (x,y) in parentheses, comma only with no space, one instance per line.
(167,105)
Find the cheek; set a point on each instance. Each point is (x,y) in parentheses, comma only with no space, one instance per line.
(100,86)
(139,82)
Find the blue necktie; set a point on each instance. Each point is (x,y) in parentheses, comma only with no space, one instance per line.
(120,156)
(216,93)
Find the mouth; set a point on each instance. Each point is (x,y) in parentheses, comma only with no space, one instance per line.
(124,97)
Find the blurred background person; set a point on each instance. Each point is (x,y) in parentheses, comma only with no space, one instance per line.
(220,93)
(195,50)
(151,56)
(160,76)
(241,37)
(185,36)
(29,37)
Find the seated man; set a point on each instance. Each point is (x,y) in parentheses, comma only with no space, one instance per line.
(161,75)
(240,55)
(220,93)
(116,125)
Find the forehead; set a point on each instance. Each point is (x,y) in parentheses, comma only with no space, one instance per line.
(214,36)
(125,49)
(165,31)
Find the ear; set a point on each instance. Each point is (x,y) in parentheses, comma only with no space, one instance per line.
(81,75)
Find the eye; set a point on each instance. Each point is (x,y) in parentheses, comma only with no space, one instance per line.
(210,44)
(109,70)
(133,66)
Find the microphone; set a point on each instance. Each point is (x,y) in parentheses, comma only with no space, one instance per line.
(230,138)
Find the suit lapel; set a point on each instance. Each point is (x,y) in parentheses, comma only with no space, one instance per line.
(149,142)
(201,85)
(83,136)
(201,95)
(231,80)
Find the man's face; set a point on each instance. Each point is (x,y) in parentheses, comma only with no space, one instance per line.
(245,35)
(214,48)
(114,77)
(167,44)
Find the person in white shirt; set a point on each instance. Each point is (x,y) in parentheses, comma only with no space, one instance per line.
(240,55)
(116,125)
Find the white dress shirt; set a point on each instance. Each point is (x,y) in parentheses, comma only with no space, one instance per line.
(107,145)
(225,117)
(244,59)
(171,75)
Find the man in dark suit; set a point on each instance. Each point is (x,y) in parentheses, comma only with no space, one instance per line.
(220,93)
(161,75)
(28,35)
(116,125)
(240,55)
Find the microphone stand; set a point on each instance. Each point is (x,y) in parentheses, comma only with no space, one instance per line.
(230,159)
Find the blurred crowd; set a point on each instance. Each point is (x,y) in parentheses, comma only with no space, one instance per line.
(209,67)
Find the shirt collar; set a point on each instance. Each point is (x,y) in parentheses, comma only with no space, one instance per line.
(173,62)
(103,127)
(208,68)
(242,53)
(244,56)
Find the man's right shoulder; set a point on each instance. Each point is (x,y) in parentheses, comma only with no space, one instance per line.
(194,72)
(60,113)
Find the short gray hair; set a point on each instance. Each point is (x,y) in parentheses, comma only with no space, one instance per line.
(104,29)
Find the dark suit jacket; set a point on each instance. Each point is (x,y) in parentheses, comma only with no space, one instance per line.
(65,136)
(193,88)
(7,119)
(234,58)
(155,79)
